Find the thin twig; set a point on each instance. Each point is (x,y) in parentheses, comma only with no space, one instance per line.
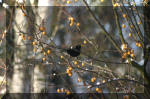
(102,27)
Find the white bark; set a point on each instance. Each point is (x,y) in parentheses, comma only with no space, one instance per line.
(45,12)
(16,83)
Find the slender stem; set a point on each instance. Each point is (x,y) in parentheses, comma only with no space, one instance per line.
(138,14)
(118,26)
(127,20)
(137,31)
(102,27)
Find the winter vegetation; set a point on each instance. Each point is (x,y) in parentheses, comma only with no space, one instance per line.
(75,49)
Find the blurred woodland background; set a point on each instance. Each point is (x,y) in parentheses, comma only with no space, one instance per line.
(114,60)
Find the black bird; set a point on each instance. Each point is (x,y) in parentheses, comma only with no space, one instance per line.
(74,51)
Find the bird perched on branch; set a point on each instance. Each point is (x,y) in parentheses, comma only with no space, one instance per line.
(74,51)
